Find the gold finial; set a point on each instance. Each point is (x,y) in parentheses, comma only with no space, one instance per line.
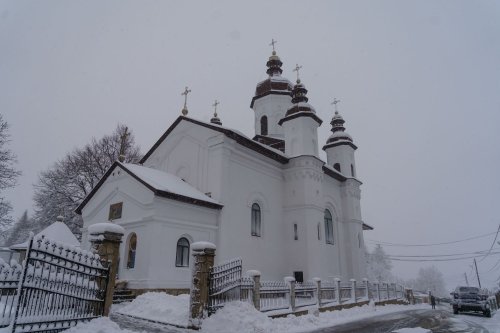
(215,107)
(273,42)
(121,156)
(185,94)
(335,102)
(297,68)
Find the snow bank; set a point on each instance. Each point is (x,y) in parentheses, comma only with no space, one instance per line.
(99,325)
(243,318)
(413,330)
(199,246)
(100,228)
(159,307)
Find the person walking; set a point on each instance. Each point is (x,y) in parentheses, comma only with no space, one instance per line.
(433,301)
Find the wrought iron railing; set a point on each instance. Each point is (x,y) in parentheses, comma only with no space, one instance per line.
(9,280)
(224,284)
(274,295)
(60,286)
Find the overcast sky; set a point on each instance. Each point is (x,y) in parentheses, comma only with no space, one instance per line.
(419,83)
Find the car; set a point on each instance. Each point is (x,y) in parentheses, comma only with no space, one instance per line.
(467,298)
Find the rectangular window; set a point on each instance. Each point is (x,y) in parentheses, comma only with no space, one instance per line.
(299,276)
(115,211)
(295,232)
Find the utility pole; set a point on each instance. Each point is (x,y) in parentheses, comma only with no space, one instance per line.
(466,281)
(477,273)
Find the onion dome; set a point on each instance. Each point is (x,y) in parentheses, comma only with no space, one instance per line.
(339,136)
(215,119)
(300,106)
(275,83)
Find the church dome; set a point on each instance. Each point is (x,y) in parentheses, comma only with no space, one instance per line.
(299,100)
(338,129)
(275,83)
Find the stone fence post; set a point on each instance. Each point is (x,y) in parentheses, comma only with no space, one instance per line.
(378,290)
(203,254)
(337,287)
(367,288)
(353,290)
(105,239)
(318,290)
(387,288)
(255,275)
(291,283)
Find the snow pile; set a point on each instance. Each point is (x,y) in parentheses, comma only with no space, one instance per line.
(57,231)
(99,325)
(159,307)
(413,330)
(243,318)
(100,228)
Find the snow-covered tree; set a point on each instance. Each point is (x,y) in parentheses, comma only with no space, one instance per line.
(20,231)
(62,187)
(429,279)
(379,265)
(8,173)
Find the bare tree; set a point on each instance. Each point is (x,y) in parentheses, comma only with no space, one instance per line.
(379,265)
(8,173)
(429,279)
(61,188)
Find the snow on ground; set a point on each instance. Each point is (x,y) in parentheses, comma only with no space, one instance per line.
(159,307)
(99,325)
(491,324)
(413,330)
(243,318)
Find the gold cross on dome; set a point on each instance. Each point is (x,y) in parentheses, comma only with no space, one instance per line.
(215,107)
(185,94)
(273,42)
(296,69)
(335,102)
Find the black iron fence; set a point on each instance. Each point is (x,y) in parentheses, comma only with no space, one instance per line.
(225,284)
(59,286)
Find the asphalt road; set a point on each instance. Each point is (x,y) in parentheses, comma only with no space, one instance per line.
(440,320)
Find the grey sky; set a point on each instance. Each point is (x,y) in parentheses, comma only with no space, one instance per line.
(419,83)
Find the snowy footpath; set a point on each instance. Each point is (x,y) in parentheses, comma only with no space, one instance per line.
(238,317)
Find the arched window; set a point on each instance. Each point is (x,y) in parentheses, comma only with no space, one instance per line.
(295,232)
(131,248)
(328,227)
(336,166)
(182,254)
(256,220)
(263,125)
(352,171)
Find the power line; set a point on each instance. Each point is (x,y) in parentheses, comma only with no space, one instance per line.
(492,244)
(436,259)
(432,244)
(443,255)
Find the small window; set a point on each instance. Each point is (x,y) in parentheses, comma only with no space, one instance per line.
(360,240)
(115,211)
(182,254)
(328,227)
(336,166)
(319,231)
(256,220)
(132,247)
(263,125)
(295,232)
(352,171)
(299,276)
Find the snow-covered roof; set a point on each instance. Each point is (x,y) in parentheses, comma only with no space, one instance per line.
(57,231)
(167,182)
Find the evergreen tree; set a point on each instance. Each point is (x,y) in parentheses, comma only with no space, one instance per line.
(20,231)
(379,265)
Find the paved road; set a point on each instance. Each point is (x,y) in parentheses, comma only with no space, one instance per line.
(441,320)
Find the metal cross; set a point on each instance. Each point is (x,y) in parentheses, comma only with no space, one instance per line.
(272,43)
(297,68)
(215,107)
(335,102)
(185,94)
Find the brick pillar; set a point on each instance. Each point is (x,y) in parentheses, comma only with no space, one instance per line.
(255,275)
(105,239)
(203,254)
(337,288)
(318,290)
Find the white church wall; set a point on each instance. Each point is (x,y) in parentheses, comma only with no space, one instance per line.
(344,155)
(274,107)
(301,136)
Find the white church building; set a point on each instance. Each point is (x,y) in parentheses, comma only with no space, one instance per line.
(269,199)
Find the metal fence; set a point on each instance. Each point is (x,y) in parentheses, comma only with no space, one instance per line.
(225,284)
(10,275)
(59,286)
(274,295)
